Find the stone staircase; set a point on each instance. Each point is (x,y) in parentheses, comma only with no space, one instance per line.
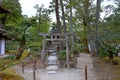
(52,62)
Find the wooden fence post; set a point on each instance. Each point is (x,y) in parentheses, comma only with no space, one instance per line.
(34,75)
(86,78)
(23,67)
(35,63)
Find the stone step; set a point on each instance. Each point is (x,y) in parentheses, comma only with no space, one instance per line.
(52,63)
(53,47)
(53,54)
(52,58)
(51,72)
(52,68)
(51,51)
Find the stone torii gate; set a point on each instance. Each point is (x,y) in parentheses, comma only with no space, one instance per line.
(55,37)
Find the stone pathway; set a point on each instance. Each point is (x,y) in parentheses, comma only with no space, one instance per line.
(63,74)
(52,62)
(86,60)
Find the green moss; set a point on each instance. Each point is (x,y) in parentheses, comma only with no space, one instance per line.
(5,63)
(10,74)
(24,55)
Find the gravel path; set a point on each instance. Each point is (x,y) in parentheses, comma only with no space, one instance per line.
(62,74)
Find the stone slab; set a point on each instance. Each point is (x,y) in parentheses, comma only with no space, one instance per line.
(51,51)
(52,67)
(51,72)
(52,58)
(52,63)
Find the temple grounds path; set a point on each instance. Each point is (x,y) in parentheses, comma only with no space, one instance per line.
(63,73)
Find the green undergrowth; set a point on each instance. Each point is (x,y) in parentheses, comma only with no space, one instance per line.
(106,59)
(6,63)
(6,73)
(10,74)
(10,60)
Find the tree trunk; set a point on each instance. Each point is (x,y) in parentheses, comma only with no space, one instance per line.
(21,48)
(63,16)
(43,52)
(92,47)
(85,38)
(86,24)
(71,29)
(57,16)
(86,48)
(97,26)
(22,44)
(3,20)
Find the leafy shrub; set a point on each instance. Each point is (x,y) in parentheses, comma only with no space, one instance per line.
(12,57)
(108,49)
(11,52)
(24,55)
(103,53)
(62,54)
(7,62)
(78,47)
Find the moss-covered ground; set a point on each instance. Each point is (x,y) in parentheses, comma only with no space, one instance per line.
(7,73)
(105,70)
(10,74)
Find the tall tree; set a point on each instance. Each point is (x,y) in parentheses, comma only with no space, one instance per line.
(26,23)
(15,8)
(97,26)
(57,15)
(10,20)
(42,15)
(63,16)
(71,27)
(82,17)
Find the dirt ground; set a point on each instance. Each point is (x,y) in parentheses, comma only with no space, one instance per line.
(62,73)
(105,70)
